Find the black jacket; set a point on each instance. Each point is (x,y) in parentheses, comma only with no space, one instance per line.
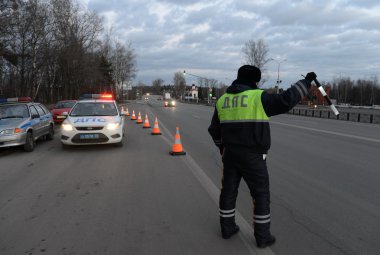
(254,135)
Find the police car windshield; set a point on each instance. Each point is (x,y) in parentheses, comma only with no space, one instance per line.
(94,109)
(13,111)
(61,105)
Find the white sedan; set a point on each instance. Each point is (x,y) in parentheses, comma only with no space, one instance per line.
(93,121)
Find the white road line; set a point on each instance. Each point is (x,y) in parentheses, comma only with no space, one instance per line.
(329,132)
(246,230)
(196,116)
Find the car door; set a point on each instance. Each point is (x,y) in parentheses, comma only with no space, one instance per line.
(36,123)
(44,118)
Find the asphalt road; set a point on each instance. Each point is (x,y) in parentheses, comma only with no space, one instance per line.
(140,200)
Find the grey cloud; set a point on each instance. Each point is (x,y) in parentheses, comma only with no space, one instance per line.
(313,35)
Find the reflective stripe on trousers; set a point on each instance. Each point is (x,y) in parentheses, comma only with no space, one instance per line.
(239,162)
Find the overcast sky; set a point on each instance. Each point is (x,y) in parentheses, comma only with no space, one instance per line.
(333,38)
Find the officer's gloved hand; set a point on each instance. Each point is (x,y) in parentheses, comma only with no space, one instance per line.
(311,76)
(308,79)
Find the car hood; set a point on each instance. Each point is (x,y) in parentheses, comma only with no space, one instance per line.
(92,121)
(60,110)
(11,123)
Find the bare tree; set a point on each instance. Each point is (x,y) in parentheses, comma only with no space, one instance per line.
(374,88)
(51,50)
(123,64)
(157,85)
(256,53)
(75,34)
(179,84)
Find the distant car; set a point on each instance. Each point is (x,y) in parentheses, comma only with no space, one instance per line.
(61,107)
(93,120)
(22,122)
(169,103)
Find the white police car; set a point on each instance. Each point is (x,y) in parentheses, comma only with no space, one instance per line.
(22,122)
(95,119)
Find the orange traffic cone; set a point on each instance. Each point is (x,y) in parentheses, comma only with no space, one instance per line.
(122,109)
(156,129)
(146,122)
(133,117)
(127,112)
(177,146)
(139,119)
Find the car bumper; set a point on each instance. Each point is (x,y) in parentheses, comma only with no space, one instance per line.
(91,137)
(12,140)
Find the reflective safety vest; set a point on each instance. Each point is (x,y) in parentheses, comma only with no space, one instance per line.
(243,107)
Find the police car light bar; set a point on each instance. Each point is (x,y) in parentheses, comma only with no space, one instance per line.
(97,96)
(15,99)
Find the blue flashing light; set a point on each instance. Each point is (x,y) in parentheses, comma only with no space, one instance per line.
(15,99)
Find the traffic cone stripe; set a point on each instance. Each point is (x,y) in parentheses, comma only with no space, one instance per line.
(133,117)
(146,123)
(139,120)
(156,129)
(177,146)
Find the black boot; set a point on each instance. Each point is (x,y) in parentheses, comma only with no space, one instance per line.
(265,243)
(228,227)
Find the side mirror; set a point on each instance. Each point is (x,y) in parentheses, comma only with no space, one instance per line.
(35,116)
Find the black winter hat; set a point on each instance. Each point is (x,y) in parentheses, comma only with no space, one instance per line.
(249,74)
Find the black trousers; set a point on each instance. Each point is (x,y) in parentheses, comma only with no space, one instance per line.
(240,162)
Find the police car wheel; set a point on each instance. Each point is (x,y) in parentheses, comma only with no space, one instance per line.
(50,135)
(29,142)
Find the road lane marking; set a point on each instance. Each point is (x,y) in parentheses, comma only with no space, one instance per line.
(196,116)
(246,233)
(329,132)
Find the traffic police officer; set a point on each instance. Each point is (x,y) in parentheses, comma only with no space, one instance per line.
(240,128)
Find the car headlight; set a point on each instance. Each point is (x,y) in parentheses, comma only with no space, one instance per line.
(11,131)
(112,126)
(67,127)
(173,102)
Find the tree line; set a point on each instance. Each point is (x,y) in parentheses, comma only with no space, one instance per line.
(343,89)
(54,49)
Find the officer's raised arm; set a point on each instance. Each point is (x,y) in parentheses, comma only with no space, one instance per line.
(275,104)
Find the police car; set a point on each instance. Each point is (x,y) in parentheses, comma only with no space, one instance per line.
(22,122)
(95,119)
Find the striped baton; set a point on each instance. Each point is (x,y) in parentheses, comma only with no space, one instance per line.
(324,94)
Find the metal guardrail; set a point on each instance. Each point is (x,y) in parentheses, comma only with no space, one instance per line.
(373,118)
(324,113)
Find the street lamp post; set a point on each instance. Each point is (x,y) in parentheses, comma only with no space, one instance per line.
(278,71)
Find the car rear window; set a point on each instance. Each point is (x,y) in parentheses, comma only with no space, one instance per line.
(68,104)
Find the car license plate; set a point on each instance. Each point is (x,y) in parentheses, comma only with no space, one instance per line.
(89,136)
(61,117)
